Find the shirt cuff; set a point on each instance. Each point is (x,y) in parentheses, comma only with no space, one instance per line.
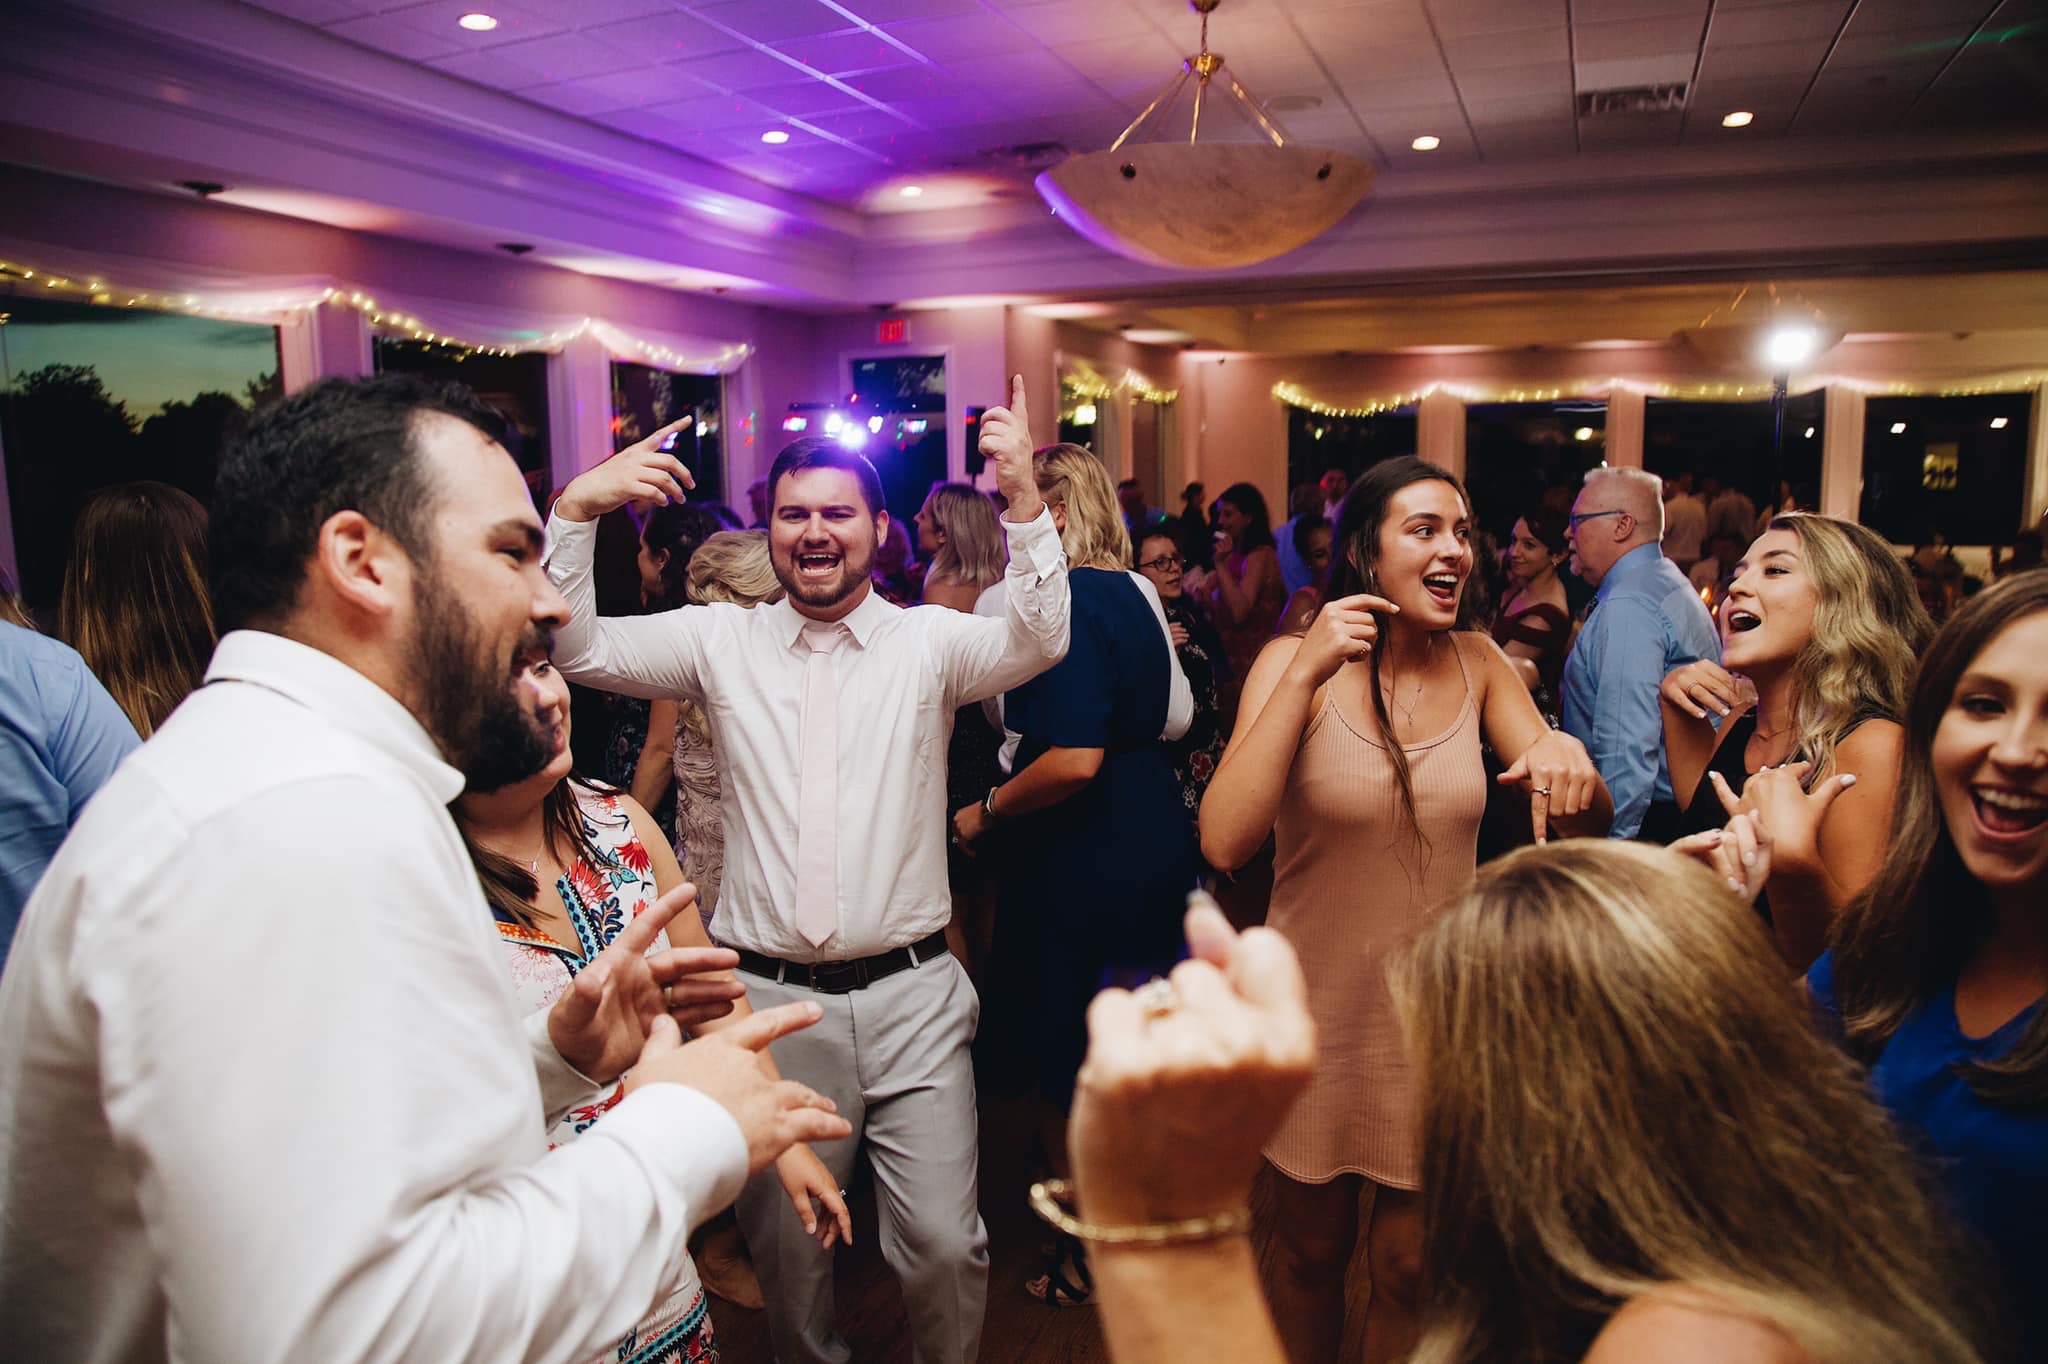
(562,1086)
(688,1136)
(1036,542)
(571,546)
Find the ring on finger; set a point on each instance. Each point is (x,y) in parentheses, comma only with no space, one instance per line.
(1539,790)
(1156,998)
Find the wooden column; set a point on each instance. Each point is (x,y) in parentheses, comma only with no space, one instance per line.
(2037,458)
(1626,409)
(1841,460)
(1440,430)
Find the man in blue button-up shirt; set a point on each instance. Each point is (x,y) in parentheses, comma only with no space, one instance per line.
(1645,620)
(60,738)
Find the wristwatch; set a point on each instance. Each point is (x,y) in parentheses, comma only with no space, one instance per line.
(988,803)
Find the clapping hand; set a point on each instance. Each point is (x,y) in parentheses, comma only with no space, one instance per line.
(773,1115)
(1172,1108)
(1006,443)
(1560,776)
(600,1023)
(642,472)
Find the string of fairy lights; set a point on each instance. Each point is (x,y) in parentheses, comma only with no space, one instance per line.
(388,321)
(1293,395)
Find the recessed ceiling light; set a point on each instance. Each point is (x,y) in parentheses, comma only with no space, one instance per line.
(1809,433)
(911,191)
(1998,423)
(1740,118)
(477,22)
(1428,142)
(1583,433)
(775,137)
(1898,428)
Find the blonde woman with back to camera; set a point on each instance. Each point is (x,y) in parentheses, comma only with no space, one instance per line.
(1635,1144)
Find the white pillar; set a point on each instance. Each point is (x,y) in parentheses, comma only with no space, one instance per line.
(1841,460)
(579,408)
(324,340)
(1440,430)
(1626,412)
(2036,486)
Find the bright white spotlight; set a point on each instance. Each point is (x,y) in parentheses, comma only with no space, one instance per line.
(853,435)
(1583,433)
(1737,118)
(1898,428)
(796,424)
(478,22)
(1789,346)
(874,425)
(1998,423)
(1809,433)
(1084,415)
(1428,142)
(833,421)
(775,137)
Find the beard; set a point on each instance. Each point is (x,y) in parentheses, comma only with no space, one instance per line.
(468,700)
(853,573)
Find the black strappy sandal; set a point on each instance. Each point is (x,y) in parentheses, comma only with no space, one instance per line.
(1066,1281)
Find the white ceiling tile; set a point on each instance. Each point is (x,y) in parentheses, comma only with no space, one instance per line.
(1142,59)
(1446,121)
(1637,38)
(805,99)
(1630,72)
(593,13)
(1768,123)
(1014,70)
(1371,23)
(1912,55)
(1516,140)
(1604,11)
(1778,24)
(399,40)
(1426,89)
(1800,59)
(773,22)
(516,19)
(906,84)
(1523,109)
(1630,130)
(1490,51)
(489,70)
(1492,16)
(636,89)
(854,124)
(565,56)
(573,97)
(961,37)
(663,37)
(318,11)
(836,52)
(713,112)
(1507,82)
(1717,97)
(1884,16)
(895,11)
(1075,21)
(745,69)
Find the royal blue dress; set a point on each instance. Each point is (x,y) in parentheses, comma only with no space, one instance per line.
(1094,888)
(1991,1162)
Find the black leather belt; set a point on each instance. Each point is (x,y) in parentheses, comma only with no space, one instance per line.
(843,977)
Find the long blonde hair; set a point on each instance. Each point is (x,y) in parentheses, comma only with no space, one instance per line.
(1620,1097)
(731,566)
(975,552)
(1868,630)
(135,602)
(1070,476)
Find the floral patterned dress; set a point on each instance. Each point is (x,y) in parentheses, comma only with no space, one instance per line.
(601,898)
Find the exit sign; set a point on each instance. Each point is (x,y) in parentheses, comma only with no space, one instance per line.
(892,331)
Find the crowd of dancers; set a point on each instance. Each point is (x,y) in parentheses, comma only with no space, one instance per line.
(1652,966)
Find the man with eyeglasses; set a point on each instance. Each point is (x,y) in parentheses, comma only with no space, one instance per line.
(1645,620)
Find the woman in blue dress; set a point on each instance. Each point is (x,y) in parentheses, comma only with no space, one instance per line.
(1939,967)
(1096,849)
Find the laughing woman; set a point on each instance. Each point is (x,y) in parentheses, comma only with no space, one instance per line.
(1358,747)
(1939,968)
(565,866)
(1824,620)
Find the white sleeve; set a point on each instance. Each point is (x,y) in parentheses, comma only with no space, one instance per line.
(654,656)
(1180,697)
(982,656)
(995,602)
(313,1062)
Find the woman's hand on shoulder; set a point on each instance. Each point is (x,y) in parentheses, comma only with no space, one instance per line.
(1700,686)
(1344,631)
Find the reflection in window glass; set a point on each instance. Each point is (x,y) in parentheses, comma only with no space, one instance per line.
(899,417)
(1734,441)
(92,396)
(1950,469)
(645,399)
(1516,452)
(1317,444)
(514,386)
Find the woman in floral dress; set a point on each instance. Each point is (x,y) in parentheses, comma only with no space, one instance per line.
(606,861)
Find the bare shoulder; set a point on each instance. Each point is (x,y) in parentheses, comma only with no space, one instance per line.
(1691,1328)
(1483,659)
(1873,743)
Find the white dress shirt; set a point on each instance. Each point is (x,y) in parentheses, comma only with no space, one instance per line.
(1180,697)
(266,1093)
(900,676)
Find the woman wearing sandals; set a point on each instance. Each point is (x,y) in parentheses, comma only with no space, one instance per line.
(1097,851)
(1358,747)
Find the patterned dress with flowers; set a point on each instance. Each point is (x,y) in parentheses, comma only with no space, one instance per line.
(601,897)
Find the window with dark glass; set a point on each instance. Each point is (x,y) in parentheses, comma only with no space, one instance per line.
(1515,452)
(1318,443)
(1738,443)
(645,399)
(514,386)
(897,418)
(93,395)
(1948,467)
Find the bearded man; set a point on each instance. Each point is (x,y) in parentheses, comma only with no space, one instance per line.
(267,1092)
(829,715)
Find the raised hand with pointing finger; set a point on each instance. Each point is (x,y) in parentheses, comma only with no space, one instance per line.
(643,472)
(1006,443)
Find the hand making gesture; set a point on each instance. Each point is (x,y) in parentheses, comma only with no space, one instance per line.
(642,472)
(1006,443)
(1560,776)
(1344,631)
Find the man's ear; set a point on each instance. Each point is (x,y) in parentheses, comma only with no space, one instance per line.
(360,563)
(881,526)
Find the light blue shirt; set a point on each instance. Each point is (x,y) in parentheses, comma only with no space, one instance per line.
(61,736)
(1294,570)
(1645,620)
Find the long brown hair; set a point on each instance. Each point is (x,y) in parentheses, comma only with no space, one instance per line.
(1905,938)
(511,888)
(975,550)
(1620,1097)
(135,602)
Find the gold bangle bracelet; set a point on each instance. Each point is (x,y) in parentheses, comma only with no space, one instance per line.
(1046,1199)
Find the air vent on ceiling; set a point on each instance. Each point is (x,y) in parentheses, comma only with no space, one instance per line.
(1029,156)
(1636,99)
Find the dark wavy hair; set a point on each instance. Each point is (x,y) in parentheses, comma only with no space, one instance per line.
(1547,524)
(676,531)
(1905,939)
(823,452)
(1356,544)
(1249,500)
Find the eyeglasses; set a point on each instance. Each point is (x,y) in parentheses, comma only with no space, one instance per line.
(1576,517)
(1165,563)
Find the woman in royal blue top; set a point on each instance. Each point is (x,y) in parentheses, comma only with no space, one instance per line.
(1939,967)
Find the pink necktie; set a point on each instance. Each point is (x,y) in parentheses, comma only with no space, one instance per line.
(817,811)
